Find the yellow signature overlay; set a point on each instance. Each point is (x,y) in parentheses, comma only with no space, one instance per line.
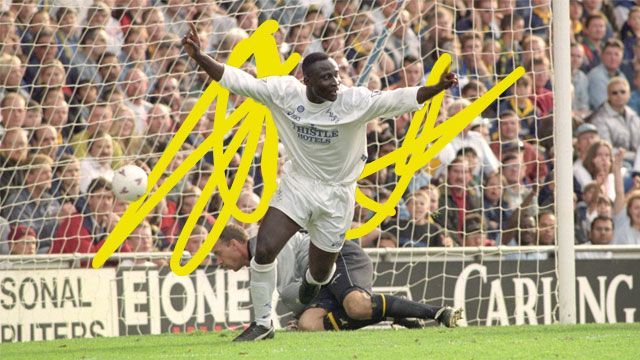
(423,141)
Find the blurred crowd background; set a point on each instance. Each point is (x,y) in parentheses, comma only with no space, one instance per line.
(86,87)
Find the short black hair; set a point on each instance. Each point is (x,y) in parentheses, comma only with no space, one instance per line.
(311,59)
(602,218)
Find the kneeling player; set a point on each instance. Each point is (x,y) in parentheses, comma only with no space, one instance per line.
(346,303)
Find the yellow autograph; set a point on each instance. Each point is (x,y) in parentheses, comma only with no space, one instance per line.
(252,117)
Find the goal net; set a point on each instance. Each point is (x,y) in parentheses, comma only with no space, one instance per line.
(87,87)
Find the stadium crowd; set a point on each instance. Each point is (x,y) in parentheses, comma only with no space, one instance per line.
(86,87)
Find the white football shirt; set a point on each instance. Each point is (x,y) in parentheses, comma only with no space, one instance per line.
(323,141)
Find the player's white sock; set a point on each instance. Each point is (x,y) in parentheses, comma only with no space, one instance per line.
(313,281)
(263,283)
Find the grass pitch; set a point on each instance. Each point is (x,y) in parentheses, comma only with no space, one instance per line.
(595,341)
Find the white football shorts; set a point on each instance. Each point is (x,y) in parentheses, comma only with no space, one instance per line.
(325,210)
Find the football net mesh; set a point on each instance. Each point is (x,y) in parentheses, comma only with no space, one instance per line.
(88,87)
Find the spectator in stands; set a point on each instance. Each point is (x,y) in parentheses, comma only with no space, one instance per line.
(141,240)
(472,66)
(521,226)
(626,218)
(110,70)
(68,30)
(512,33)
(630,31)
(387,240)
(23,241)
(99,119)
(594,34)
(66,183)
(167,51)
(318,22)
(536,166)
(99,16)
(468,138)
(55,112)
(123,131)
(586,134)
(543,97)
(247,16)
(44,49)
(97,163)
(14,149)
(580,81)
(601,233)
(410,74)
(587,208)
(184,206)
(438,37)
(24,11)
(522,103)
(546,228)
(248,202)
(135,86)
(155,24)
(333,39)
(474,233)
(457,198)
(11,73)
(13,110)
(533,47)
(481,18)
(617,123)
(7,27)
(516,187)
(195,241)
(84,65)
(38,22)
(86,231)
(420,230)
(600,76)
(33,118)
(403,41)
(494,207)
(175,14)
(134,49)
(167,91)
(85,95)
(45,141)
(32,205)
(51,77)
(158,131)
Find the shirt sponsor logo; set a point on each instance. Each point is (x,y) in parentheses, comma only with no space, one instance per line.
(294,116)
(314,135)
(332,117)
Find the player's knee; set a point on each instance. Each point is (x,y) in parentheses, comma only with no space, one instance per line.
(311,320)
(266,252)
(357,305)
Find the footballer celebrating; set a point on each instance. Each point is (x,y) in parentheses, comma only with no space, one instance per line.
(322,125)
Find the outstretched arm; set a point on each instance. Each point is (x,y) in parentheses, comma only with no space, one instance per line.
(619,202)
(447,80)
(191,43)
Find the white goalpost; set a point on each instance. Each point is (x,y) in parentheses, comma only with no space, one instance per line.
(564,162)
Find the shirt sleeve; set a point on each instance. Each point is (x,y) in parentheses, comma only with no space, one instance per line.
(242,83)
(390,103)
(621,226)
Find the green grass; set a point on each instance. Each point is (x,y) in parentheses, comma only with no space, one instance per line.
(596,341)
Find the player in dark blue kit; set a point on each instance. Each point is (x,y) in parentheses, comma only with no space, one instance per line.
(346,302)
